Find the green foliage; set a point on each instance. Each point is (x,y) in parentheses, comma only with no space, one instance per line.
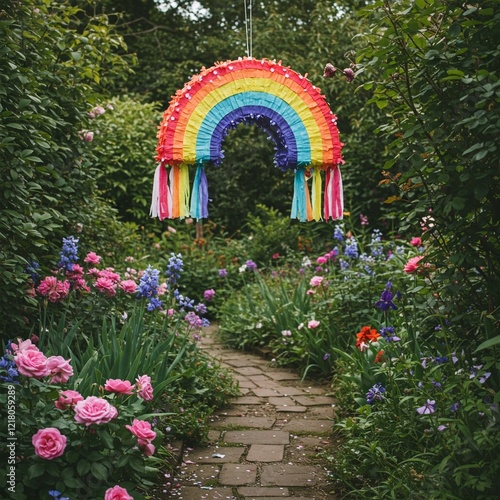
(124,146)
(94,458)
(55,61)
(440,89)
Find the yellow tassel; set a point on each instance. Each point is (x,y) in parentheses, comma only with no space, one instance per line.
(184,191)
(316,194)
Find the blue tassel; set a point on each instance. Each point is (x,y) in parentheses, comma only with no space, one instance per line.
(199,195)
(299,204)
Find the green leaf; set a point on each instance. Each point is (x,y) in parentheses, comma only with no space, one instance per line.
(99,471)
(488,343)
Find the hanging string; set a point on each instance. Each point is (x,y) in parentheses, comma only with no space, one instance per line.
(251,29)
(248,26)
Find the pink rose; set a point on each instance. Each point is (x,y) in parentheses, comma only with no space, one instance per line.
(321,260)
(24,345)
(110,274)
(117,493)
(310,292)
(208,295)
(53,289)
(142,431)
(76,272)
(144,387)
(316,281)
(32,363)
(60,369)
(412,264)
(67,399)
(147,448)
(313,324)
(107,286)
(92,258)
(128,286)
(94,410)
(416,242)
(118,386)
(49,443)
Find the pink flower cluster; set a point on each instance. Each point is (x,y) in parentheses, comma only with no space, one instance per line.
(117,493)
(413,264)
(53,289)
(145,435)
(31,362)
(142,386)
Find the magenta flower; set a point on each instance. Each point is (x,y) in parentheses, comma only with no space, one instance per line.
(316,281)
(128,286)
(329,71)
(349,74)
(118,386)
(144,387)
(208,295)
(412,264)
(416,242)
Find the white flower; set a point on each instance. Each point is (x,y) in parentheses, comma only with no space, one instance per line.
(243,268)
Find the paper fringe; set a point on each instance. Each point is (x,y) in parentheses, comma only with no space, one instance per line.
(171,194)
(199,197)
(333,199)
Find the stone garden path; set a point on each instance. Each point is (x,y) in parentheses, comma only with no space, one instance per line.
(263,445)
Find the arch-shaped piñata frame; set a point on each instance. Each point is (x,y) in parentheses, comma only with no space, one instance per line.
(277,99)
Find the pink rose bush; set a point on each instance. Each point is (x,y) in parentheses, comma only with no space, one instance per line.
(53,289)
(32,363)
(49,443)
(94,410)
(316,281)
(118,386)
(117,493)
(144,387)
(60,369)
(413,264)
(145,435)
(68,399)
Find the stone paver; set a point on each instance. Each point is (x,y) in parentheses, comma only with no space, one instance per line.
(257,437)
(308,425)
(266,453)
(252,422)
(253,491)
(290,475)
(216,454)
(237,474)
(207,493)
(313,400)
(282,421)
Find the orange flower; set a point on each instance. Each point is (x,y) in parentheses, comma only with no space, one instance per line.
(379,358)
(366,335)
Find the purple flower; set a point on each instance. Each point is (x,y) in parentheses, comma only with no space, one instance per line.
(154,303)
(376,393)
(385,302)
(351,248)
(174,268)
(208,295)
(68,253)
(349,74)
(441,428)
(200,308)
(222,273)
(329,71)
(148,284)
(193,319)
(455,407)
(388,333)
(428,408)
(251,265)
(326,356)
(338,233)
